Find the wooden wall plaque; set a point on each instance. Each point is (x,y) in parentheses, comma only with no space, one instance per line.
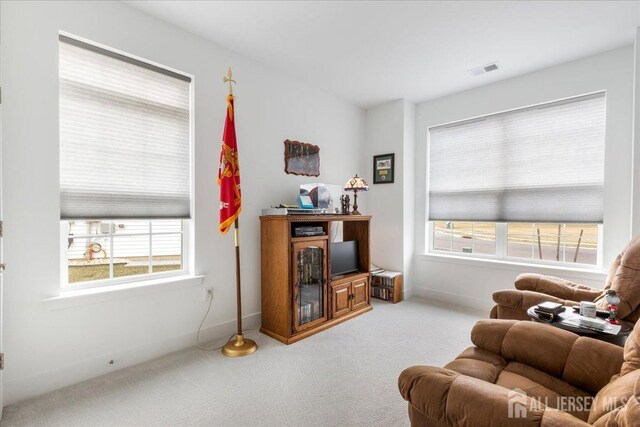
(301,158)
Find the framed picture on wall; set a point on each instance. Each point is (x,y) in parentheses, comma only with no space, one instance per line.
(301,158)
(383,169)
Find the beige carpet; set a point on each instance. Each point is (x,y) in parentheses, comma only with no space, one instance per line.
(345,376)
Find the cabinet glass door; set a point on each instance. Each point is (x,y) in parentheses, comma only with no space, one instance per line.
(309,284)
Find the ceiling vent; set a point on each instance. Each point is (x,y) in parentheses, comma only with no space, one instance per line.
(484,69)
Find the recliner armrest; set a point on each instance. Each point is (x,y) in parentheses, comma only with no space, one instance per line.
(449,398)
(557,287)
(524,299)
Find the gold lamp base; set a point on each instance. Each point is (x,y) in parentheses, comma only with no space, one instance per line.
(240,347)
(355,203)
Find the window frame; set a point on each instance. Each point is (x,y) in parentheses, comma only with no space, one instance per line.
(502,253)
(188,235)
(64,266)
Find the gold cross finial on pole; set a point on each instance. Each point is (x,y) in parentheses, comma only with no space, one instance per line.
(228,79)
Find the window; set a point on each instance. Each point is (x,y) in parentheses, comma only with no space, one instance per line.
(125,166)
(99,250)
(465,237)
(526,183)
(575,243)
(566,243)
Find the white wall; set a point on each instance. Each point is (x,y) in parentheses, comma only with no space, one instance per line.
(389,128)
(409,179)
(384,128)
(472,282)
(635,213)
(49,346)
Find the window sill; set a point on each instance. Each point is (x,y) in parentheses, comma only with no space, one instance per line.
(72,298)
(595,274)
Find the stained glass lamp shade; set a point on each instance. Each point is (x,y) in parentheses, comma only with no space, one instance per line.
(356,184)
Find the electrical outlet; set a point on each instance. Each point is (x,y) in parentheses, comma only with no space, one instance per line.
(208,294)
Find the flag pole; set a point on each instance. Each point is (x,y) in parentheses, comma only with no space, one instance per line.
(236,232)
(241,346)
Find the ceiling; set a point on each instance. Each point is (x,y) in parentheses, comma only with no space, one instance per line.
(369,52)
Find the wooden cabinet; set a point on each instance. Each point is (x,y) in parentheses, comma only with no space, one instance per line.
(299,295)
(387,285)
(350,293)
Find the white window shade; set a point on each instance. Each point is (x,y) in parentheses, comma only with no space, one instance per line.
(538,164)
(124,136)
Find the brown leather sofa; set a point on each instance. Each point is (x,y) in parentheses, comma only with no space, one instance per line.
(532,289)
(528,374)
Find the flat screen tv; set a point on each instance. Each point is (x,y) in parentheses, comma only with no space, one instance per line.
(344,257)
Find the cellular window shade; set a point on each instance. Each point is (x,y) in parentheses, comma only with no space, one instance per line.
(539,164)
(124,136)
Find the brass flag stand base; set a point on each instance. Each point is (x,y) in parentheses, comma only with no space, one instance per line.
(239,347)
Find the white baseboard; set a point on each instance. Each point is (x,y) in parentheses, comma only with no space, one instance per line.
(407,293)
(479,306)
(81,370)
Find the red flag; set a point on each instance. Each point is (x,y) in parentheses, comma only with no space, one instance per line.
(229,173)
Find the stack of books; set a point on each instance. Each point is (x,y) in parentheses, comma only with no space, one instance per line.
(308,311)
(376,270)
(382,293)
(383,283)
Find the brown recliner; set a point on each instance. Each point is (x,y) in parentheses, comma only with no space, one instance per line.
(528,374)
(532,289)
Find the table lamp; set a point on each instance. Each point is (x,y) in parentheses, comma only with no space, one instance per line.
(356,184)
